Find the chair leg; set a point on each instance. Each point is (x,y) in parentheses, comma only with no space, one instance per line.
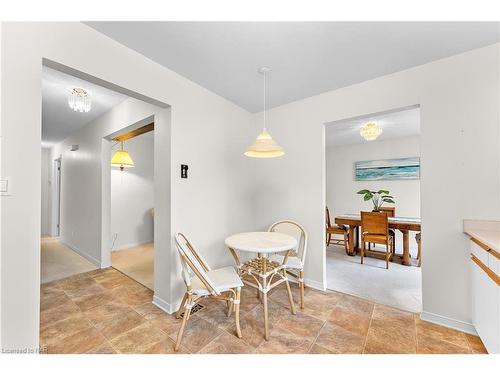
(301,286)
(419,253)
(362,252)
(230,308)
(187,312)
(346,243)
(181,306)
(290,297)
(387,254)
(237,312)
(328,239)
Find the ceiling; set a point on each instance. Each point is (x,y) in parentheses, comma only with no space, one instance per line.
(399,124)
(307,58)
(58,120)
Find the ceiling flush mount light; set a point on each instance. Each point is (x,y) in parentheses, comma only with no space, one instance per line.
(370,131)
(79,100)
(122,159)
(264,146)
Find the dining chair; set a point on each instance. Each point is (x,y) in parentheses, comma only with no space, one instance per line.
(418,238)
(294,264)
(201,281)
(391,212)
(375,229)
(335,229)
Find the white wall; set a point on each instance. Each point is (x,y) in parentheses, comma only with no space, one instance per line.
(45,208)
(459,165)
(207,132)
(341,186)
(132,195)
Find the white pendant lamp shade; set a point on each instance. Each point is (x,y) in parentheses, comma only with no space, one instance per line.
(370,131)
(264,146)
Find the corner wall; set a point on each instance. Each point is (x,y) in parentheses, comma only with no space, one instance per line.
(207,132)
(458,97)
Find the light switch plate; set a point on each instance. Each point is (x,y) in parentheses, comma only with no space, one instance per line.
(5,186)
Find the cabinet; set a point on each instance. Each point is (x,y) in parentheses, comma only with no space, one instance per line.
(485,297)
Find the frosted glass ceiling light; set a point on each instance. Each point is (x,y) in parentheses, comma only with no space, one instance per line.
(79,100)
(370,131)
(264,146)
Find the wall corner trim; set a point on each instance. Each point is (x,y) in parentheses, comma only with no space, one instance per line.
(164,305)
(448,322)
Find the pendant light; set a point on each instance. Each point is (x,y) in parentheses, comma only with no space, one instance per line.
(264,146)
(122,159)
(79,100)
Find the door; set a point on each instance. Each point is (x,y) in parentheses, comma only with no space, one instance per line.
(57,197)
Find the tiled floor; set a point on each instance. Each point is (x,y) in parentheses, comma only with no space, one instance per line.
(104,311)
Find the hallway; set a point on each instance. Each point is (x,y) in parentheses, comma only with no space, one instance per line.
(58,261)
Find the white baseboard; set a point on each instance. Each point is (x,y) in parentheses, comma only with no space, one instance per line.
(129,245)
(164,305)
(315,284)
(90,258)
(448,322)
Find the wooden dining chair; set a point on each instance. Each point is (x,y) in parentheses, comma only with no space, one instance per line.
(294,263)
(332,230)
(375,229)
(201,281)
(391,212)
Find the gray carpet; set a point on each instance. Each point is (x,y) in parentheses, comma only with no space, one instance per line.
(399,286)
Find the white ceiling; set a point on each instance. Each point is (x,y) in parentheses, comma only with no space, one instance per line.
(58,120)
(307,58)
(399,124)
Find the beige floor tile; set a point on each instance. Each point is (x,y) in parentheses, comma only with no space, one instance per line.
(106,311)
(120,324)
(169,324)
(431,345)
(441,333)
(356,304)
(79,342)
(216,314)
(227,344)
(105,348)
(339,340)
(63,311)
(166,346)
(302,325)
(320,304)
(88,302)
(350,320)
(475,344)
(139,339)
(149,311)
(282,341)
(385,338)
(197,334)
(55,300)
(63,328)
(316,349)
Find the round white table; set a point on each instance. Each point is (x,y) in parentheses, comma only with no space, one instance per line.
(260,271)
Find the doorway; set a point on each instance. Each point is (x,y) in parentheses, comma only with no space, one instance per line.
(390,163)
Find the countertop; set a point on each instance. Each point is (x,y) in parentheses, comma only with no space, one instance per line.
(485,231)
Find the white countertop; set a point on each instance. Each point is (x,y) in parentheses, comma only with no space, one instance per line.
(485,231)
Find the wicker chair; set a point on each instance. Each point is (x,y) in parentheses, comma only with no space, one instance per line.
(201,281)
(294,265)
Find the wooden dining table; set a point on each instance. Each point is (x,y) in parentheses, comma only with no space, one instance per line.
(403,224)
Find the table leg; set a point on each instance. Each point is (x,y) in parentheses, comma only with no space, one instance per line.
(406,247)
(264,297)
(351,235)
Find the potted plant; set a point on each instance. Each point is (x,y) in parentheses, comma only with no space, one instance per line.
(378,198)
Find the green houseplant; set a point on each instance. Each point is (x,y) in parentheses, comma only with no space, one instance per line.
(378,197)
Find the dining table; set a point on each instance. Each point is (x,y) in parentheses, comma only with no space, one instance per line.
(260,272)
(403,224)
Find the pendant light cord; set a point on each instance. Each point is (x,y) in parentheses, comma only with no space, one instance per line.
(265,122)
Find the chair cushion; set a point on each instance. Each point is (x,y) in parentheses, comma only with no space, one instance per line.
(292,261)
(376,238)
(223,278)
